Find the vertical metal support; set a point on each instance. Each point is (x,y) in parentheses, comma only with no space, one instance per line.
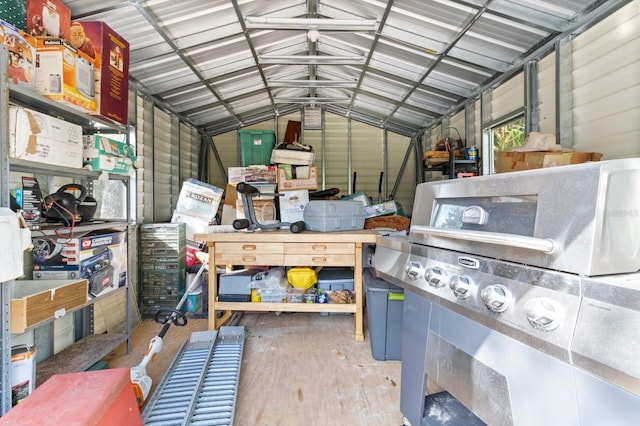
(324,150)
(532,110)
(385,164)
(5,354)
(487,137)
(564,92)
(4,133)
(470,123)
(43,340)
(5,290)
(349,157)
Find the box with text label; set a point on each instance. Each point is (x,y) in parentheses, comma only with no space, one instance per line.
(99,256)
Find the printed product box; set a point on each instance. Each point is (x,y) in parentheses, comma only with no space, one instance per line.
(110,53)
(47,18)
(23,372)
(388,207)
(101,153)
(65,74)
(284,184)
(292,204)
(199,199)
(253,174)
(21,69)
(39,137)
(99,256)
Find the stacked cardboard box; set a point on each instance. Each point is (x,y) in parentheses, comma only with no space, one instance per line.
(510,161)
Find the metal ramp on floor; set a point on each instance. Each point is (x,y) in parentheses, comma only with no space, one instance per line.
(201,386)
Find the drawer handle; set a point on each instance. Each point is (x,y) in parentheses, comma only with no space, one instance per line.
(248,247)
(318,247)
(249,258)
(319,259)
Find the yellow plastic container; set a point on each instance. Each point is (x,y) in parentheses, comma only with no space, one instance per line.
(301,277)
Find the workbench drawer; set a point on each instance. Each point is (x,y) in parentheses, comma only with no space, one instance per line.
(37,301)
(319,259)
(319,254)
(319,248)
(249,254)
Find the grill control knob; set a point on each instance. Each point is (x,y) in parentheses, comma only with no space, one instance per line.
(436,277)
(543,313)
(414,270)
(461,286)
(497,297)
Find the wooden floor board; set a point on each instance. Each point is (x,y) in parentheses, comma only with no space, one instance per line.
(297,368)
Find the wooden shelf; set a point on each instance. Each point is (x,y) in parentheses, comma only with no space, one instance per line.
(285,307)
(79,356)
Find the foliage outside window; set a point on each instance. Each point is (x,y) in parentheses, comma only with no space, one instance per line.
(508,136)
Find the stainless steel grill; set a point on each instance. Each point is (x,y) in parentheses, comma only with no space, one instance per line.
(526,285)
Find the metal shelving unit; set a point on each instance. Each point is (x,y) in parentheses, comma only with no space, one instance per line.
(91,347)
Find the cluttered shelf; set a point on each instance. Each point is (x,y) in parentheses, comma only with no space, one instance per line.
(451,162)
(282,247)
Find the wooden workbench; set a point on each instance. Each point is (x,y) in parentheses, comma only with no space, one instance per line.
(283,248)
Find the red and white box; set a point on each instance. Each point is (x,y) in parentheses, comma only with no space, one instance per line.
(110,53)
(48,18)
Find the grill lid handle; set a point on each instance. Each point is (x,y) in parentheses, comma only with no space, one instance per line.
(543,245)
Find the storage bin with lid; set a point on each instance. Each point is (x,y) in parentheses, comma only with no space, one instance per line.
(333,215)
(384,305)
(256,146)
(335,279)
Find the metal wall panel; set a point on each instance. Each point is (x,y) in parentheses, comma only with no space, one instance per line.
(164,167)
(606,86)
(336,153)
(547,94)
(507,97)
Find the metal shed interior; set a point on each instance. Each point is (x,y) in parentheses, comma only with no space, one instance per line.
(399,65)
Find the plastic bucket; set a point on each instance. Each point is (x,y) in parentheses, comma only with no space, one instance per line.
(471,153)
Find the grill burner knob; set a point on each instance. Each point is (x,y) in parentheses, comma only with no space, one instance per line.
(461,286)
(414,270)
(497,297)
(543,313)
(436,277)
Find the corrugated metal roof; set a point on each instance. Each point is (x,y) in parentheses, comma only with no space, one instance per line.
(421,61)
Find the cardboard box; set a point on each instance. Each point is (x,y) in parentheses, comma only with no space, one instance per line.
(101,153)
(253,174)
(282,155)
(65,74)
(48,18)
(39,137)
(110,53)
(99,256)
(292,204)
(21,69)
(285,184)
(199,199)
(34,302)
(509,161)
